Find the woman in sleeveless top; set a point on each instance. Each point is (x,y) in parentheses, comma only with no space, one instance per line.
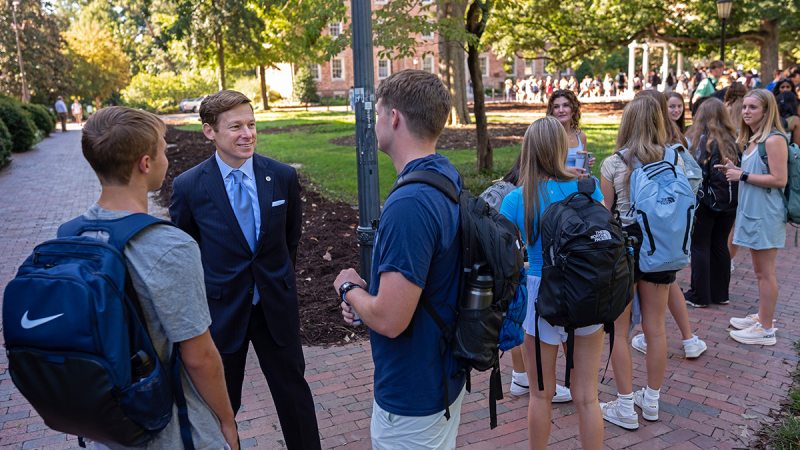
(641,140)
(760,217)
(693,346)
(564,106)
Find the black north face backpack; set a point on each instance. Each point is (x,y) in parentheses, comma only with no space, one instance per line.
(587,275)
(490,245)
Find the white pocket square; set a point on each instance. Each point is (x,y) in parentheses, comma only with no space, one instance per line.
(278,203)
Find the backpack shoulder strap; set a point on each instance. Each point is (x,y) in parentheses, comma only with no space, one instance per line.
(120,230)
(671,153)
(762,146)
(438,181)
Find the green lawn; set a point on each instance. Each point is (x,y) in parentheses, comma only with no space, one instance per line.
(332,168)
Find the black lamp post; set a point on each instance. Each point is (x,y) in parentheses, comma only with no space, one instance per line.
(25,94)
(723,12)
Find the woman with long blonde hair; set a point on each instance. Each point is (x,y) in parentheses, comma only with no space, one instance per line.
(641,140)
(713,142)
(546,180)
(760,217)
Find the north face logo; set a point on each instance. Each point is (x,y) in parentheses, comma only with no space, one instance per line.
(666,200)
(601,235)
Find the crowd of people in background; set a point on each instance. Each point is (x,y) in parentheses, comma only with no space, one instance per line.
(538,88)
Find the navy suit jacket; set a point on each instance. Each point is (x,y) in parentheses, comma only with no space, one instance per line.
(201,208)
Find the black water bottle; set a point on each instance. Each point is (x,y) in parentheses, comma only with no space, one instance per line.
(480,287)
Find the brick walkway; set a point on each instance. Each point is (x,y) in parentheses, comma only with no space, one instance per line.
(717,401)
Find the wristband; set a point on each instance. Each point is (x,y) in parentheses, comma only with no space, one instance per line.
(744,176)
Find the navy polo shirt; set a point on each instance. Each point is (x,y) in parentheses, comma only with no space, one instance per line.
(418,237)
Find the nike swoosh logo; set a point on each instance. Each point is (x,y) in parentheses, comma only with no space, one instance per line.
(28,324)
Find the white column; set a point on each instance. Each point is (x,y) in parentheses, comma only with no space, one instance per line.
(664,67)
(680,63)
(631,66)
(645,63)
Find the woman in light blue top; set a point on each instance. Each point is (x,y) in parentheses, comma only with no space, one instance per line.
(545,180)
(760,217)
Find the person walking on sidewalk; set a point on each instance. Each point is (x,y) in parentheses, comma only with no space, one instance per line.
(760,217)
(416,258)
(61,112)
(77,111)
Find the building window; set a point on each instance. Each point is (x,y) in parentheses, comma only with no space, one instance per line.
(484,64)
(384,68)
(428,34)
(427,64)
(335,29)
(528,67)
(314,69)
(337,69)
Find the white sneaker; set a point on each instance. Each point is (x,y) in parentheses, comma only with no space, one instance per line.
(639,343)
(741,323)
(733,267)
(615,413)
(649,408)
(563,394)
(519,384)
(695,348)
(756,334)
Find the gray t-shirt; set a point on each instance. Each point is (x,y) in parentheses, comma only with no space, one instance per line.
(165,268)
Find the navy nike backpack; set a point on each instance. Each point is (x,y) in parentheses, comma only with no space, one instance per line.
(77,347)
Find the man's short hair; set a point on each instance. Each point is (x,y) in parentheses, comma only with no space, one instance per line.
(421,97)
(794,72)
(716,65)
(116,137)
(216,104)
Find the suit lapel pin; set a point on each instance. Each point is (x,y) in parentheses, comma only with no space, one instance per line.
(269,178)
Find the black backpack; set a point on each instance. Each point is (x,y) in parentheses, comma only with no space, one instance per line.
(716,192)
(587,275)
(491,242)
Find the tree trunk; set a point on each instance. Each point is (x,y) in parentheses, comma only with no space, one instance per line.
(220,59)
(262,73)
(769,48)
(451,62)
(477,16)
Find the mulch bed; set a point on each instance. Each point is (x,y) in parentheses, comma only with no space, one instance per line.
(328,244)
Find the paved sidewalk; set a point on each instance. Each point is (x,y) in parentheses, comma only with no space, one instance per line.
(717,401)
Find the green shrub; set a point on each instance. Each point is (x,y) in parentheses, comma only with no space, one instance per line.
(5,145)
(41,117)
(162,92)
(305,88)
(19,123)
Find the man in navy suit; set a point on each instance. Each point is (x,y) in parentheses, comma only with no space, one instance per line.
(244,211)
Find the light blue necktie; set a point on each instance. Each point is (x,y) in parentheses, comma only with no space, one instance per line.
(243,209)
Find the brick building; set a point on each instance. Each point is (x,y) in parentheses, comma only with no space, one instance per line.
(335,77)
